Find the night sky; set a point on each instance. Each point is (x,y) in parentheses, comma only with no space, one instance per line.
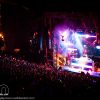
(16,24)
(19,17)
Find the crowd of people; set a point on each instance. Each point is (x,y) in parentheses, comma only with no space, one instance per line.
(26,78)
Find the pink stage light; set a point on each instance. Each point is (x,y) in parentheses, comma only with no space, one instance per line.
(72,49)
(86,35)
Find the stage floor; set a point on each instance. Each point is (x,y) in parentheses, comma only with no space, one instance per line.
(78,70)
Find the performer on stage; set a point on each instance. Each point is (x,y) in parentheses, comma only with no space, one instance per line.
(85,50)
(68,59)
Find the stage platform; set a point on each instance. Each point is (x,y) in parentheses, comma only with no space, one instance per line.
(79,70)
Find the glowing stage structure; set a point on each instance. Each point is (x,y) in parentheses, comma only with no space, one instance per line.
(69,45)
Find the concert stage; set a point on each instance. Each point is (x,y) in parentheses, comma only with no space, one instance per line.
(79,70)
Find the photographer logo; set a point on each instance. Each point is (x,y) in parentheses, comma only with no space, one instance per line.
(4,90)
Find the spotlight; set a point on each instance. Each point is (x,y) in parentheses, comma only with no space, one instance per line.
(86,36)
(97,47)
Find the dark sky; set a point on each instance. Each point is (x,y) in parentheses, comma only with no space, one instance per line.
(16,24)
(56,5)
(19,16)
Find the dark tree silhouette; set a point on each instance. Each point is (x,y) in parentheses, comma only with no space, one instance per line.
(1,43)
